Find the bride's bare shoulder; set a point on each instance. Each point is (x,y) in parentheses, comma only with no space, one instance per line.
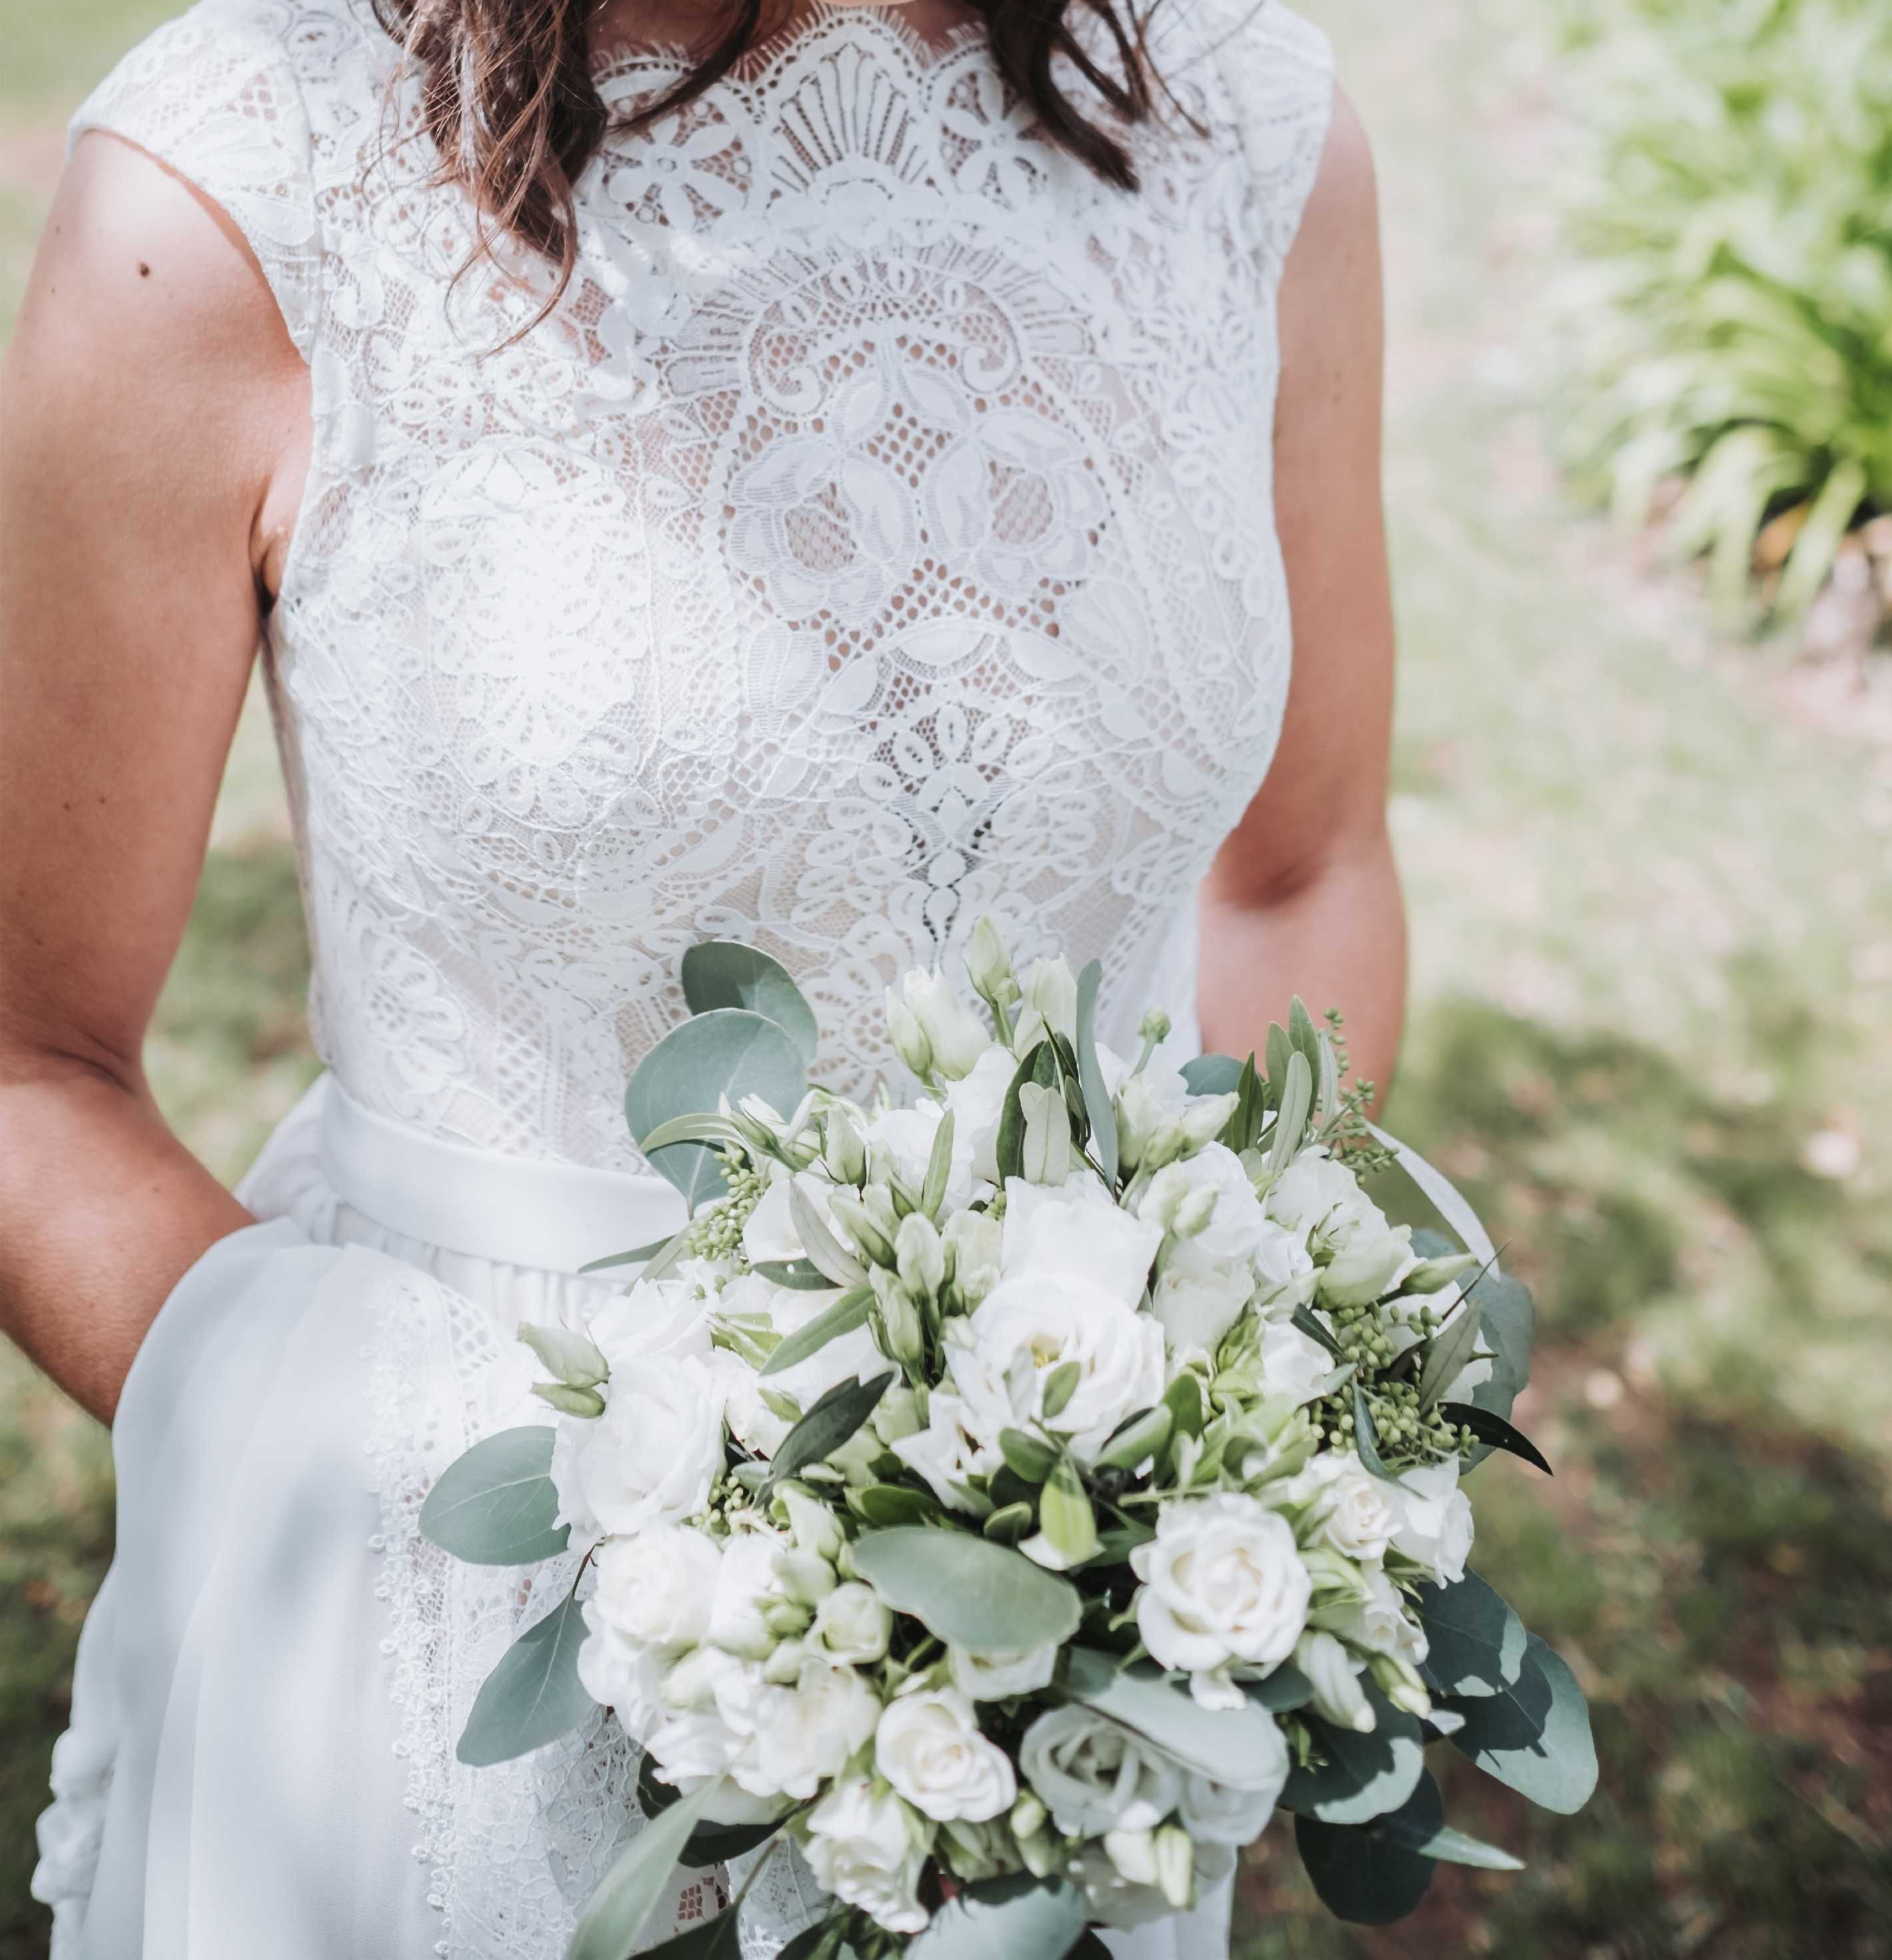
(150,353)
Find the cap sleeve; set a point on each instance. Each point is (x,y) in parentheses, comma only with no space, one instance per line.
(1277,69)
(214,95)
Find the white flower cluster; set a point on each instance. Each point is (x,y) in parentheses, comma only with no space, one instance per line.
(1135,1359)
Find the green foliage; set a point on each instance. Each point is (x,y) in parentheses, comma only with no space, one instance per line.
(533,1696)
(496,1505)
(1736,199)
(968,1590)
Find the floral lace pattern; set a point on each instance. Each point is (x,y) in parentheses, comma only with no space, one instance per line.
(879,532)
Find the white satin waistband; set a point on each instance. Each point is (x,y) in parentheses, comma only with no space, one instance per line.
(520,1211)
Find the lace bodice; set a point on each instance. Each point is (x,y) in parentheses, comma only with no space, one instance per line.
(878,533)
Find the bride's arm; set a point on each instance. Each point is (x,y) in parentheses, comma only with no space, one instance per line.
(149,426)
(1304,898)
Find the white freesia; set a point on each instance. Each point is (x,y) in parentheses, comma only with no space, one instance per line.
(1039,1320)
(657,1587)
(1435,1524)
(1356,1510)
(955,1035)
(1223,1585)
(852,1625)
(864,1848)
(929,1747)
(977,1101)
(1073,1231)
(652,1456)
(1094,1776)
(998,1676)
(946,1452)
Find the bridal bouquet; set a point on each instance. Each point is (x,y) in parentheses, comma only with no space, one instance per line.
(1014,1498)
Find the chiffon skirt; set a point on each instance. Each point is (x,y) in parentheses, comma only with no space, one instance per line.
(271,1681)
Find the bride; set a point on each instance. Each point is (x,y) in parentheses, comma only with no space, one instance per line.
(814,479)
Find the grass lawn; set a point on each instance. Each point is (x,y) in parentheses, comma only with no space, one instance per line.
(1652,1036)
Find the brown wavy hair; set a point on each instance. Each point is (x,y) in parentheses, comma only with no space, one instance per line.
(508,96)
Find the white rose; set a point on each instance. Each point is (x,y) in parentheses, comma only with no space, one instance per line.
(1038,1321)
(746,1587)
(946,1452)
(1317,1197)
(622,1674)
(1213,1813)
(1223,1584)
(1435,1526)
(867,1851)
(1093,1775)
(1294,1365)
(929,1747)
(652,1456)
(977,1101)
(668,1316)
(957,1036)
(852,1625)
(908,1136)
(1074,1231)
(1356,1510)
(1196,1308)
(799,1737)
(1381,1623)
(656,1586)
(1000,1674)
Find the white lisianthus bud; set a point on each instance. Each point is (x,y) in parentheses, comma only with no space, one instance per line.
(918,1255)
(1046,1158)
(783,1669)
(843,1149)
(988,964)
(1163,1196)
(1334,1675)
(813,1526)
(1193,1213)
(1154,1027)
(852,1625)
(909,1038)
(896,1414)
(1133,1855)
(902,1337)
(976,1241)
(955,1036)
(804,1577)
(1050,987)
(1028,1816)
(569,1358)
(1203,1121)
(1400,1685)
(1175,1867)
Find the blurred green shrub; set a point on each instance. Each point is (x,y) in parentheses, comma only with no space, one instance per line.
(1731,211)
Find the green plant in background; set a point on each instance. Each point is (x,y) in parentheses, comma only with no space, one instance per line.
(1732,208)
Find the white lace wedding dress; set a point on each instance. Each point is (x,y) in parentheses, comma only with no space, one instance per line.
(879,533)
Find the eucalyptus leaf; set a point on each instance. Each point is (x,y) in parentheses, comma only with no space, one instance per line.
(1016,1918)
(1097,1105)
(1064,1514)
(1495,1433)
(829,1424)
(533,1696)
(725,973)
(728,1051)
(1235,1746)
(825,1251)
(1287,1687)
(799,1275)
(1451,1349)
(497,1504)
(1183,1398)
(888,1504)
(712,1843)
(718,1938)
(1419,1825)
(1028,1457)
(1211,1074)
(1476,1644)
(1534,1734)
(1363,1776)
(843,1317)
(1365,1874)
(621,1905)
(968,1591)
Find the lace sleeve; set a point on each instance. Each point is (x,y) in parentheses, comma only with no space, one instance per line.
(213,95)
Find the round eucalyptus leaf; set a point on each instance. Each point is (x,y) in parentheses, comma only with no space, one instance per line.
(1016,1918)
(1363,1776)
(1534,1734)
(619,1907)
(729,1051)
(533,1696)
(1211,1074)
(968,1590)
(1476,1643)
(497,1504)
(725,973)
(1240,1747)
(1365,1874)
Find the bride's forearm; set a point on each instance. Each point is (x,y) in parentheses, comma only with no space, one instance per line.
(101,1211)
(1335,937)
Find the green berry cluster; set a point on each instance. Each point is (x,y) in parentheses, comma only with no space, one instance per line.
(1405,1433)
(717,1232)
